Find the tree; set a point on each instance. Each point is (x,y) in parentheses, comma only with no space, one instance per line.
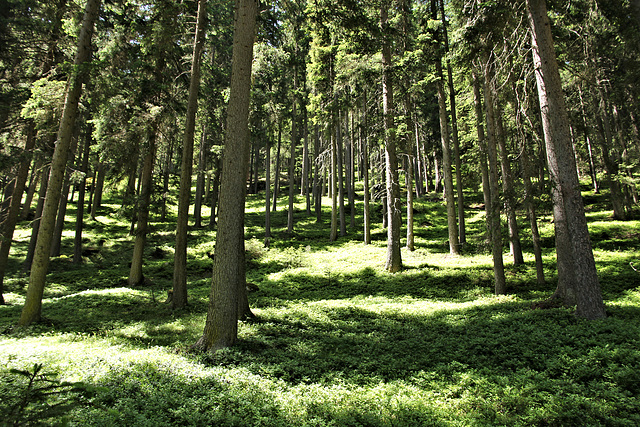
(179,299)
(562,168)
(33,302)
(394,259)
(221,328)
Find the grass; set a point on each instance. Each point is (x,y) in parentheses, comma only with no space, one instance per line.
(337,341)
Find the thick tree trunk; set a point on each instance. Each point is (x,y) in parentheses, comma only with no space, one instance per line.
(562,167)
(33,302)
(221,328)
(179,299)
(394,259)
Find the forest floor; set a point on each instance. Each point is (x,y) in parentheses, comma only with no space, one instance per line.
(336,340)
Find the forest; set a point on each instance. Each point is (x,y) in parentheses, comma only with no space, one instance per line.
(320,213)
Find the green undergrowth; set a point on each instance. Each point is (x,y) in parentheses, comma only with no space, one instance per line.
(336,340)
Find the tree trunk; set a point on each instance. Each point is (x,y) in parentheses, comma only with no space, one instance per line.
(221,328)
(454,245)
(97,190)
(276,180)
(8,224)
(31,190)
(56,240)
(292,155)
(393,262)
(200,181)
(462,233)
(146,180)
(562,167)
(494,209)
(84,168)
(179,299)
(340,161)
(267,193)
(365,172)
(317,190)
(33,302)
(333,180)
(35,225)
(508,190)
(482,143)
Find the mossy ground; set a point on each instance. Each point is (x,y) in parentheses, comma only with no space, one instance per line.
(337,340)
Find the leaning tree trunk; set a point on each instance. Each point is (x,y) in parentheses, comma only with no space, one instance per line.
(33,302)
(562,166)
(179,299)
(35,224)
(394,259)
(221,328)
(9,224)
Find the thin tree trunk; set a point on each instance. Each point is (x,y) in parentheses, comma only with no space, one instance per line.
(200,181)
(482,143)
(84,168)
(97,191)
(146,180)
(33,303)
(8,224)
(267,193)
(317,190)
(492,155)
(292,155)
(341,184)
(276,180)
(462,233)
(35,225)
(365,170)
(33,184)
(508,190)
(179,299)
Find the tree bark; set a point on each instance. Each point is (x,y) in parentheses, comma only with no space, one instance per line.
(179,299)
(393,262)
(562,167)
(33,302)
(135,272)
(221,328)
(84,168)
(494,209)
(8,225)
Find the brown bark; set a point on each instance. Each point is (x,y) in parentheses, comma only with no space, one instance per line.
(221,328)
(33,302)
(8,224)
(394,260)
(562,167)
(179,299)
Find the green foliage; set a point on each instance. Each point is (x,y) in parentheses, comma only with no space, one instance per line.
(337,340)
(33,397)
